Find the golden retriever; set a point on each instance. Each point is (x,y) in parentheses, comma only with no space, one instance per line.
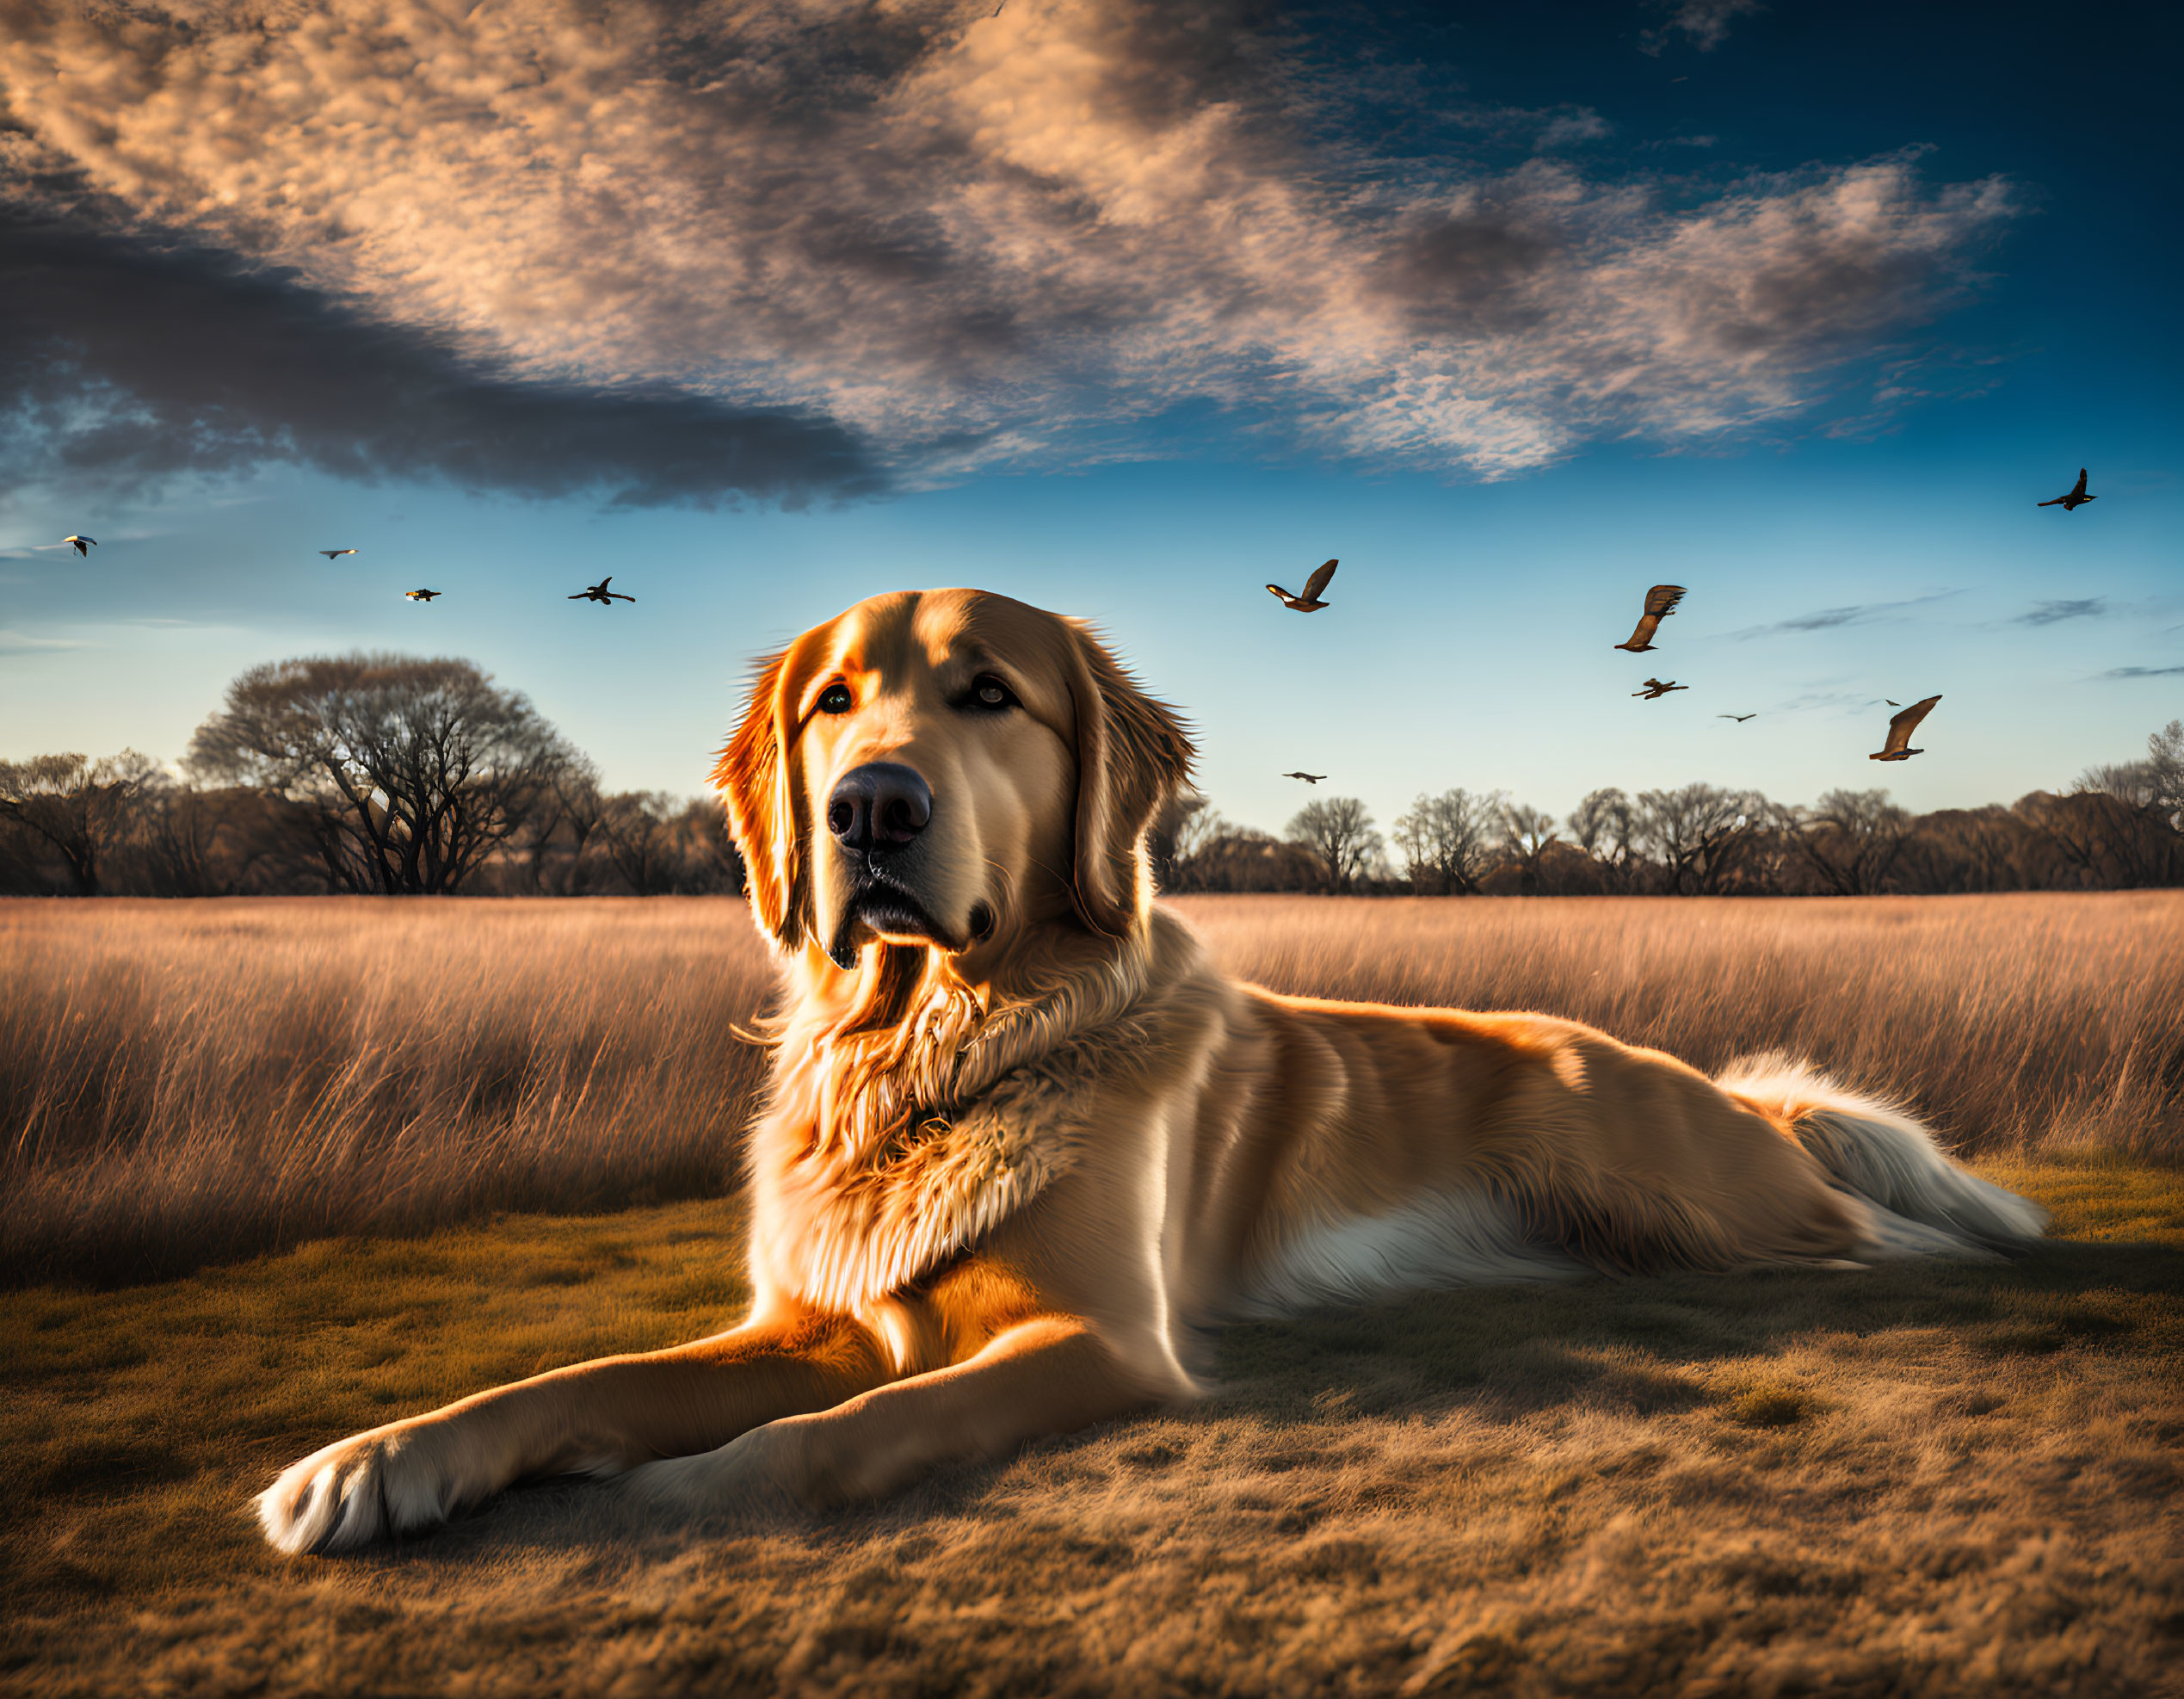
(1024,1144)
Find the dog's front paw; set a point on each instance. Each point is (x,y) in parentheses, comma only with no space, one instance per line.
(363,1488)
(758,1476)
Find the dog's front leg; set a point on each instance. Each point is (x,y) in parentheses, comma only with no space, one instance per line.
(598,1417)
(1050,1375)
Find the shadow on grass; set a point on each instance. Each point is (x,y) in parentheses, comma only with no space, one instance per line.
(1520,1349)
(1311,1392)
(1427,1491)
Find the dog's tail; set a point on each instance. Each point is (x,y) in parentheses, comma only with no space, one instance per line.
(1921,1203)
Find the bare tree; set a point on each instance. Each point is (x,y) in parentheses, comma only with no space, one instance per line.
(2107,842)
(639,828)
(1604,824)
(1179,838)
(413,771)
(79,808)
(1447,842)
(2165,755)
(2154,786)
(1697,833)
(710,860)
(1339,831)
(190,842)
(1525,833)
(2131,781)
(568,814)
(1850,839)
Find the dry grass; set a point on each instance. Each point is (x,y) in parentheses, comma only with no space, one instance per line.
(1933,1481)
(2015,1022)
(182,1083)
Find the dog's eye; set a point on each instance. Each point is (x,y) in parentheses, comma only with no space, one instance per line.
(835,699)
(987,691)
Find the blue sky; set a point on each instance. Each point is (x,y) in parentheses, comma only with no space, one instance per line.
(1123,310)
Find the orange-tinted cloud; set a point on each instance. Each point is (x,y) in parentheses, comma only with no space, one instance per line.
(969,237)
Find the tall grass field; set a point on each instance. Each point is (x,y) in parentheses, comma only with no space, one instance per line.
(278,1171)
(185,1082)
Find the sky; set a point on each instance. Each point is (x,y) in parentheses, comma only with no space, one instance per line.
(1123,309)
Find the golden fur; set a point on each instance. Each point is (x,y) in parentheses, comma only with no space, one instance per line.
(1024,1145)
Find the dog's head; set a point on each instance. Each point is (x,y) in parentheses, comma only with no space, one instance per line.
(946,769)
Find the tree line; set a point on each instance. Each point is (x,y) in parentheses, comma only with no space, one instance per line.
(388,775)
(2117,827)
(367,773)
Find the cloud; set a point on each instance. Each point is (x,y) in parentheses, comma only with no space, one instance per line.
(1818,698)
(122,361)
(1825,619)
(2048,613)
(958,237)
(1705,21)
(2143,673)
(1819,622)
(21,643)
(1582,125)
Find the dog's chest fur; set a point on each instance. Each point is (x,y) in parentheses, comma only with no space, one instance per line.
(858,1218)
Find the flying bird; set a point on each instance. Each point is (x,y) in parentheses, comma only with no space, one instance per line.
(2076,498)
(1660,603)
(1309,602)
(600,594)
(1654,688)
(1900,728)
(1309,778)
(84,545)
(336,554)
(420,595)
(1739,717)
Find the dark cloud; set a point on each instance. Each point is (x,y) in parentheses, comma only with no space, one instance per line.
(1819,622)
(1857,614)
(2050,613)
(1703,22)
(968,235)
(122,358)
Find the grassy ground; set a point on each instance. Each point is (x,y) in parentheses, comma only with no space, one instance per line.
(185,1083)
(1936,1480)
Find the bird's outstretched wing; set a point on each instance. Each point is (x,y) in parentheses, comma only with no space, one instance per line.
(1317,582)
(1901,726)
(1282,593)
(1910,717)
(581,595)
(2079,490)
(1642,636)
(616,596)
(1663,599)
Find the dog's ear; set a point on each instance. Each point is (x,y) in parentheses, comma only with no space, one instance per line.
(764,808)
(1132,754)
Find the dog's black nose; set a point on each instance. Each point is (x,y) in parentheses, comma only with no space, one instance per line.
(882,805)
